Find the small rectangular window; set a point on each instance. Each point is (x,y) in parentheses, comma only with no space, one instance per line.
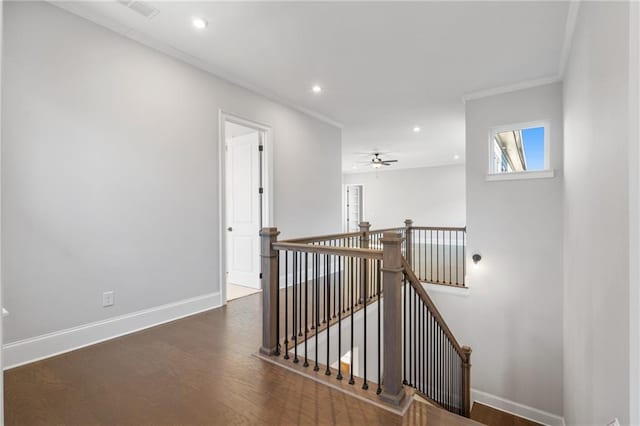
(519,151)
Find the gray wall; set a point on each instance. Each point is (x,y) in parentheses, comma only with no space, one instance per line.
(431,196)
(110,172)
(596,302)
(512,318)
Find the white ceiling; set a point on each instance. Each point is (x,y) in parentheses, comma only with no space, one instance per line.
(383,66)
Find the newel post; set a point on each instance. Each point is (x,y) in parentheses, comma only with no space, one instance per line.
(392,391)
(408,241)
(466,380)
(365,227)
(269,282)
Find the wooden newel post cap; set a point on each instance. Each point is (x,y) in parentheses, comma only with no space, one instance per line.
(408,223)
(365,225)
(467,351)
(269,232)
(391,237)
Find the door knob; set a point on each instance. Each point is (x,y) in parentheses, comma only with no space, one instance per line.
(229,229)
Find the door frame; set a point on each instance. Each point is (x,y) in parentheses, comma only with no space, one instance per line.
(344,203)
(267,184)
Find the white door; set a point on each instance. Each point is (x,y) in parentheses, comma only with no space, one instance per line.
(354,207)
(243,209)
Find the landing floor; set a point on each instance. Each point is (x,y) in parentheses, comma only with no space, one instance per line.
(198,370)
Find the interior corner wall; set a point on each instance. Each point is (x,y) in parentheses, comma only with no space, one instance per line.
(634,211)
(512,317)
(430,196)
(596,218)
(110,172)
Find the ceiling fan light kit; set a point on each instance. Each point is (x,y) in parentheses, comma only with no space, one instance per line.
(377,162)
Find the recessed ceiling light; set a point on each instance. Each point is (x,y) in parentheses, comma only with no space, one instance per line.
(354,167)
(416,129)
(316,89)
(456,157)
(200,23)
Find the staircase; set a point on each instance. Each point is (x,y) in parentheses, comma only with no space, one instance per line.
(349,310)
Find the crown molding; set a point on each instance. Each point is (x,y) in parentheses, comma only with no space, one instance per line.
(570,26)
(527,84)
(368,169)
(169,50)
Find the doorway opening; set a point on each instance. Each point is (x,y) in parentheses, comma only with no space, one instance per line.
(246,204)
(354,207)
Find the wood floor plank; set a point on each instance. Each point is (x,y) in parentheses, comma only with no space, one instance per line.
(196,371)
(494,417)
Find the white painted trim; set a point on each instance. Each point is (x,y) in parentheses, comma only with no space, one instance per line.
(536,174)
(397,167)
(125,31)
(570,26)
(56,343)
(344,203)
(528,84)
(267,182)
(517,409)
(446,289)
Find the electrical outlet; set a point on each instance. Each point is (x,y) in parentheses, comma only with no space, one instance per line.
(108,298)
(614,422)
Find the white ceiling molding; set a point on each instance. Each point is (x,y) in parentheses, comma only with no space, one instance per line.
(369,169)
(185,57)
(570,27)
(511,88)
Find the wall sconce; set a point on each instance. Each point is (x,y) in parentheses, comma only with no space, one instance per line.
(476,260)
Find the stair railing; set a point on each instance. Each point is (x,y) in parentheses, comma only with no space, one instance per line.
(314,287)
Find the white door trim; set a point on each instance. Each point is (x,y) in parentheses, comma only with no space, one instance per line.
(267,184)
(344,203)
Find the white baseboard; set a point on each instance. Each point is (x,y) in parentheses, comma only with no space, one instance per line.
(47,345)
(517,409)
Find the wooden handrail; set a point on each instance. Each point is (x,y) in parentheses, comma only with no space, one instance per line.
(417,286)
(378,231)
(320,238)
(340,251)
(440,228)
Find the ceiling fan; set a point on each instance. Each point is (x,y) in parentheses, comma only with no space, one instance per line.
(377,162)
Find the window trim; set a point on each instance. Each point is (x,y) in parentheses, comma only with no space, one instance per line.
(547,172)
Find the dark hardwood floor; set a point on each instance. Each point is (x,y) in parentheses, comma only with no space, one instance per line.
(492,417)
(196,371)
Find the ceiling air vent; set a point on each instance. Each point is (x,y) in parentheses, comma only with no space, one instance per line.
(142,7)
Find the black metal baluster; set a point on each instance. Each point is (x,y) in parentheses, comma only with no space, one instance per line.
(450,261)
(457,259)
(431,252)
(351,381)
(299,272)
(415,336)
(328,308)
(317,305)
(437,256)
(306,307)
(379,389)
(277,353)
(412,325)
(286,305)
(340,276)
(405,313)
(335,292)
(365,385)
(294,337)
(464,259)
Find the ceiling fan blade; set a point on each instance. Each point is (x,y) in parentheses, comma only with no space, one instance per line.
(390,161)
(385,164)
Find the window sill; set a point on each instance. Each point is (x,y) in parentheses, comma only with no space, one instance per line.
(541,174)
